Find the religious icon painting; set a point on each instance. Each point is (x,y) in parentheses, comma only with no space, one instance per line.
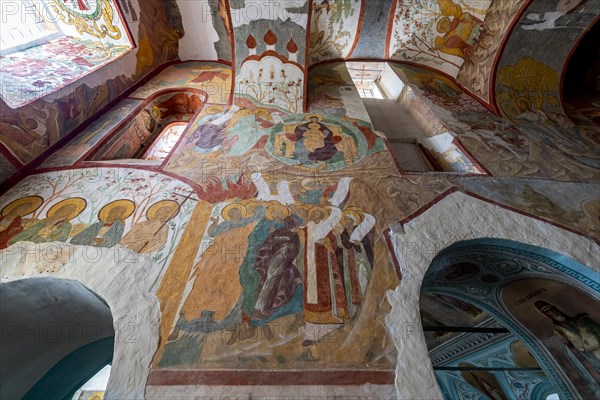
(316,142)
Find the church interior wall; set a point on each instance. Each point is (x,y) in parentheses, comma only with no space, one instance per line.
(280,176)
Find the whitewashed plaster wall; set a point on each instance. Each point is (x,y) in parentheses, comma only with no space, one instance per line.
(126,281)
(456,218)
(200,35)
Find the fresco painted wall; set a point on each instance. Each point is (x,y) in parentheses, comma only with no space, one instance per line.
(437,33)
(267,222)
(141,211)
(560,334)
(334,29)
(270,53)
(26,132)
(561,25)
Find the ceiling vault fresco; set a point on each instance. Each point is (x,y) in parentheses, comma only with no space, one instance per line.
(250,170)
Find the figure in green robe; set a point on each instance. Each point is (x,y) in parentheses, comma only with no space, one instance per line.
(109,230)
(56,227)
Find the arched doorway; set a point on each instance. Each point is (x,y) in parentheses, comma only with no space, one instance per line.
(581,81)
(127,283)
(507,320)
(56,335)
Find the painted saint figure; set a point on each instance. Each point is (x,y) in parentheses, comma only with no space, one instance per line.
(216,287)
(355,253)
(314,142)
(324,300)
(274,219)
(56,227)
(280,282)
(460,33)
(579,333)
(11,217)
(109,230)
(152,234)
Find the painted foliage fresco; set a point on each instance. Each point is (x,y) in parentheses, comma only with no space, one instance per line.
(99,37)
(334,29)
(438,33)
(270,53)
(518,96)
(141,211)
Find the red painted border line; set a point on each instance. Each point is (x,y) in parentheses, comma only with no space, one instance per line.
(125,24)
(434,163)
(454,189)
(269,378)
(307,56)
(500,53)
(390,29)
(231,34)
(10,156)
(388,240)
(527,214)
(427,206)
(471,157)
(358,29)
(388,146)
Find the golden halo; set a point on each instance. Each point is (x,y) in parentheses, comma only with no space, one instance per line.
(261,112)
(443,25)
(309,183)
(34,203)
(302,206)
(232,206)
(78,202)
(250,203)
(127,204)
(277,207)
(173,205)
(317,116)
(354,214)
(314,209)
(214,110)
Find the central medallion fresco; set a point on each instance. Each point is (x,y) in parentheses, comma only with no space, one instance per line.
(315,141)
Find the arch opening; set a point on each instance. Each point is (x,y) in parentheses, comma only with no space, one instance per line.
(152,131)
(507,320)
(581,82)
(56,335)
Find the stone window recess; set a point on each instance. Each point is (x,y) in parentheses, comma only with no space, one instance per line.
(48,44)
(151,131)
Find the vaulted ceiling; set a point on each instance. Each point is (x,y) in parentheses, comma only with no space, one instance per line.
(485,45)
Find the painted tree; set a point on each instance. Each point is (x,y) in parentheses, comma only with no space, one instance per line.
(526,86)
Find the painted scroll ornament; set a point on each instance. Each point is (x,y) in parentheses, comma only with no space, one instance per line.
(94,17)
